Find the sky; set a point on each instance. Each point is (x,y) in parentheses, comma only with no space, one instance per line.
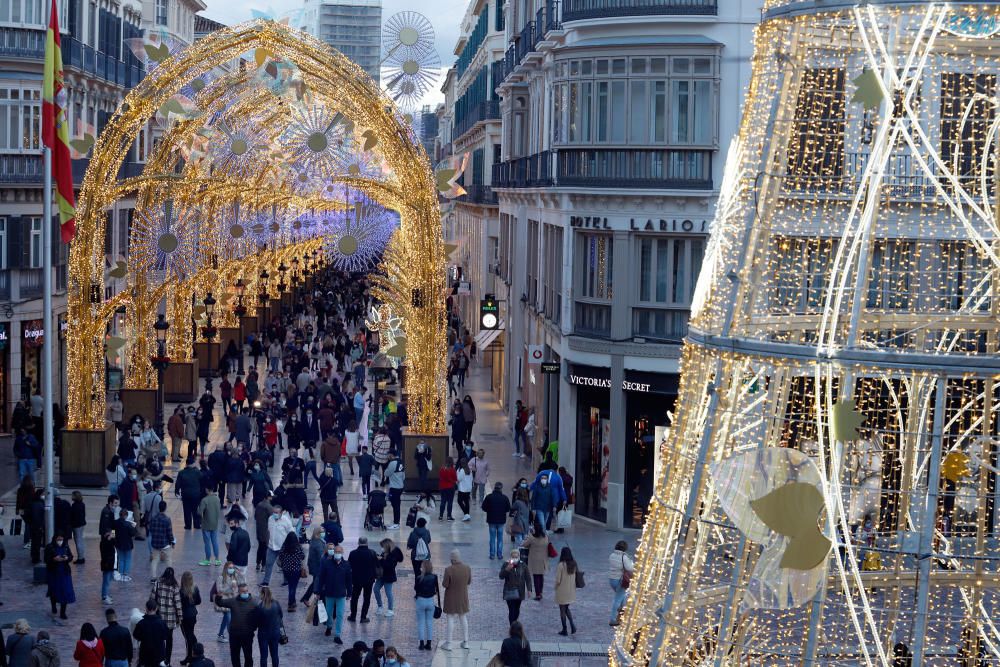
(445,15)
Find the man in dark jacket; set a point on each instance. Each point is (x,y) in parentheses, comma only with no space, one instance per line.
(362,561)
(128,491)
(117,641)
(333,585)
(239,543)
(188,487)
(241,625)
(198,658)
(496,506)
(108,515)
(235,475)
(63,514)
(151,633)
(261,514)
(216,463)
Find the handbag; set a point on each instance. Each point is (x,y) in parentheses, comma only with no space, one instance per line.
(564,518)
(626,580)
(580,583)
(16,525)
(282,638)
(552,551)
(437,608)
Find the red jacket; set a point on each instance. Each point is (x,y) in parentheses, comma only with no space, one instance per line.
(447,478)
(89,657)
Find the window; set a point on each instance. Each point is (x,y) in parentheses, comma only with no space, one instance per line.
(595,273)
(552,278)
(668,269)
(20,119)
(638,101)
(161,12)
(963,277)
(891,274)
(963,138)
(816,149)
(3,243)
(35,249)
(801,271)
(23,12)
(532,257)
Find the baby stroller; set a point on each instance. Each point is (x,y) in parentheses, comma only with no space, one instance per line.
(375,515)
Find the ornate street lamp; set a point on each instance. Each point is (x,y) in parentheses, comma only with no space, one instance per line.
(295,271)
(262,296)
(208,332)
(282,269)
(160,362)
(240,311)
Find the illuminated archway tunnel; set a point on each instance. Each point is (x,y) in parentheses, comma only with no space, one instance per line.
(291,152)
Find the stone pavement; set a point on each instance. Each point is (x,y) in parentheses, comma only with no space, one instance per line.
(591,544)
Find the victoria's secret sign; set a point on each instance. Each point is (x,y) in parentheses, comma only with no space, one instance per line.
(637,381)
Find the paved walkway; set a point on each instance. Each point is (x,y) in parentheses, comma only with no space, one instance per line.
(487,622)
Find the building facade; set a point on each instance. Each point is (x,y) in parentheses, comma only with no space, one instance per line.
(99,70)
(353,27)
(615,122)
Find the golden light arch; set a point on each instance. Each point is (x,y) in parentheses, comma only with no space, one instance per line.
(414,276)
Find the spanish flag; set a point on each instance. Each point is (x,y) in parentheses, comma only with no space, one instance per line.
(55,129)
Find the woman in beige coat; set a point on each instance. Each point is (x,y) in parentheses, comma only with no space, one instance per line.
(566,588)
(537,545)
(456,582)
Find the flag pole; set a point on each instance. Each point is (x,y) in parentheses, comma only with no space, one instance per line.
(47,345)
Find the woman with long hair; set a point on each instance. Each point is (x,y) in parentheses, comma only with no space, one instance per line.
(394,659)
(426,588)
(115,473)
(190,599)
(390,557)
(89,649)
(515,651)
(619,564)
(465,478)
(537,545)
(227,586)
(290,559)
(58,574)
(566,588)
(269,626)
(167,593)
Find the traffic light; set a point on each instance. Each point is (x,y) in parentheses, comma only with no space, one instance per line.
(489,314)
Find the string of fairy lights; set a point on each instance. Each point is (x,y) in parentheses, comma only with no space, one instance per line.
(845,313)
(259,166)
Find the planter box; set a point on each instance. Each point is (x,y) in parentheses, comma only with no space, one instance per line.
(138,402)
(439,444)
(84,456)
(180,381)
(208,355)
(249,324)
(227,334)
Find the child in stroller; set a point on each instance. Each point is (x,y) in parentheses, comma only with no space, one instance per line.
(375,515)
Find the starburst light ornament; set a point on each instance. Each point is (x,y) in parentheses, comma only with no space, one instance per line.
(165,239)
(317,139)
(357,237)
(410,74)
(237,147)
(407,32)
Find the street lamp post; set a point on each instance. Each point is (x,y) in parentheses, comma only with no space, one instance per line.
(295,274)
(240,311)
(209,331)
(160,362)
(262,297)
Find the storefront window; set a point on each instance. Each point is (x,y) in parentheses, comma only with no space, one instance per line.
(593,453)
(648,427)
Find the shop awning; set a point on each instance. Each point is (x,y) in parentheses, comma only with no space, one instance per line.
(486,337)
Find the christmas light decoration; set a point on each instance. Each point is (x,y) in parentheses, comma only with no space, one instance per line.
(245,213)
(842,354)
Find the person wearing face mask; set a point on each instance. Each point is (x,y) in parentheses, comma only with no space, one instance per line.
(239,543)
(279,525)
(520,517)
(376,657)
(334,585)
(543,501)
(58,575)
(559,498)
(124,527)
(394,659)
(497,508)
(293,473)
(228,586)
(329,482)
(128,491)
(309,433)
(261,514)
(241,625)
(260,483)
(516,584)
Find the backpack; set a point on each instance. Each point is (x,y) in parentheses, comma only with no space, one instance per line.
(421,552)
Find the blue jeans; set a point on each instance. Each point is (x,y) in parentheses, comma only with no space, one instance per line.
(425,619)
(226,617)
(108,662)
(496,540)
(269,566)
(619,601)
(211,539)
(335,605)
(26,468)
(379,585)
(106,578)
(541,517)
(124,562)
(268,645)
(447,502)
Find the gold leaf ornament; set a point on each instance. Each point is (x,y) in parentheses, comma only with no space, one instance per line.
(793,511)
(157,53)
(869,90)
(955,466)
(120,270)
(845,421)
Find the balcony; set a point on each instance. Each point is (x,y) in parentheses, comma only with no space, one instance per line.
(485,110)
(29,283)
(592,319)
(19,169)
(659,324)
(666,169)
(78,55)
(578,10)
(22,43)
(479,194)
(525,42)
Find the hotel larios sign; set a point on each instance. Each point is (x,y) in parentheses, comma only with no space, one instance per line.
(979,25)
(639,225)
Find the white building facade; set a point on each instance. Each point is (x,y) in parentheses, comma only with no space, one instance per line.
(353,27)
(616,117)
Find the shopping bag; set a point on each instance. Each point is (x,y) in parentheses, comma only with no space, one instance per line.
(310,612)
(564,518)
(15,526)
(321,611)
